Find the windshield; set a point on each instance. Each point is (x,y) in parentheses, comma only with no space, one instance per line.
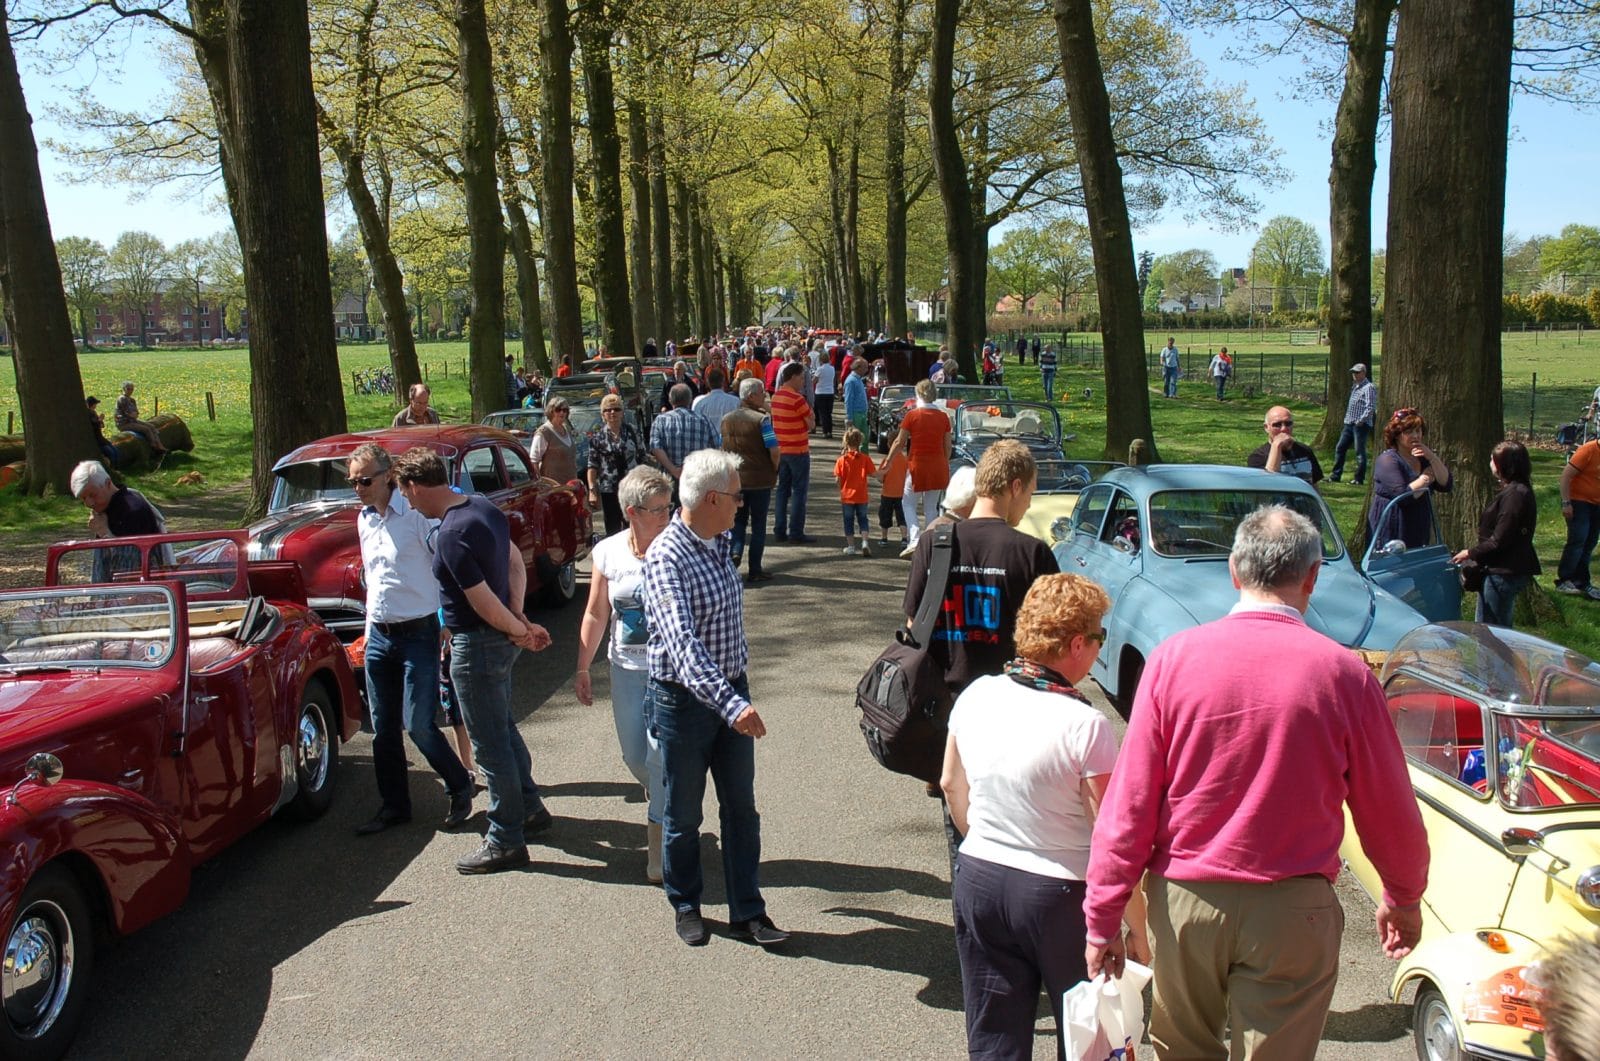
(1003,419)
(1548,763)
(520,420)
(1202,522)
(299,484)
(1070,476)
(897,393)
(107,626)
(972,392)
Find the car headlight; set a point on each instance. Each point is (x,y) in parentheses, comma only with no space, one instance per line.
(1060,528)
(1588,886)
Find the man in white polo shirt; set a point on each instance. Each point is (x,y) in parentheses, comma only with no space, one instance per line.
(402,660)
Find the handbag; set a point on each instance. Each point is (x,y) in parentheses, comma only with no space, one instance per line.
(903,698)
(1472,576)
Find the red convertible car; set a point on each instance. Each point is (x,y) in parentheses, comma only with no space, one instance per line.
(159,698)
(311,517)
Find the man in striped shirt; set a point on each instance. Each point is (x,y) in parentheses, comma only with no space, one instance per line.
(793,420)
(698,700)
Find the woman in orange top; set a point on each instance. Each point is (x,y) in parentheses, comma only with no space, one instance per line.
(852,469)
(925,433)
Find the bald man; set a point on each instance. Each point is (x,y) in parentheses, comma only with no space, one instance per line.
(1282,453)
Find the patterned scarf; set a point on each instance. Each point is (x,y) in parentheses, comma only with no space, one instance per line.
(1037,676)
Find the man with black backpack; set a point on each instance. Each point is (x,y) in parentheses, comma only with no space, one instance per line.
(992,565)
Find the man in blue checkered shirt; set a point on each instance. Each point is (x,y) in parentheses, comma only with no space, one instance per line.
(698,701)
(678,433)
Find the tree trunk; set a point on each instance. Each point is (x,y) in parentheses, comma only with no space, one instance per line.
(49,385)
(1355,162)
(555,207)
(1110,234)
(485,227)
(255,57)
(852,233)
(1450,93)
(640,271)
(682,281)
(386,276)
(520,235)
(720,273)
(895,177)
(963,330)
(605,154)
(661,235)
(704,309)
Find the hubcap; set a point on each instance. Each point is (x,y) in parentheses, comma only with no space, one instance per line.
(312,748)
(37,974)
(567,578)
(1439,1032)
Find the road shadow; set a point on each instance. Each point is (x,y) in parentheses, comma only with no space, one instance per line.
(896,943)
(1376,1022)
(847,878)
(204,974)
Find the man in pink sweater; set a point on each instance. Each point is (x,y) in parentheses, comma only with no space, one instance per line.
(1247,736)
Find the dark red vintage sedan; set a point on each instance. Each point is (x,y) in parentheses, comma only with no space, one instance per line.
(159,698)
(311,517)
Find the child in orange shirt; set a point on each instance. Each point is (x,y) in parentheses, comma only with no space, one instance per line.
(890,509)
(852,469)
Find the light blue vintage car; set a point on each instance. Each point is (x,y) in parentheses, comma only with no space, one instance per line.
(1157,539)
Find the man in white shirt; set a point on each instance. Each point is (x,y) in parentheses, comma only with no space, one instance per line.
(402,658)
(716,402)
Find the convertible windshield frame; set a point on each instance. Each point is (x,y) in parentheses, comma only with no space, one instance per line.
(88,627)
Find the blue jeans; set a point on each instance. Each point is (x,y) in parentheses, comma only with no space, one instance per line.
(1583,530)
(794,482)
(1357,435)
(403,689)
(694,739)
(640,753)
(1222,385)
(855,515)
(1497,597)
(752,514)
(1048,375)
(1169,381)
(480,666)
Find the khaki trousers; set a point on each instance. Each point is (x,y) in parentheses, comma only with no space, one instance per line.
(1242,970)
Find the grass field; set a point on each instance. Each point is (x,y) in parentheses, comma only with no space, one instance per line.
(1195,428)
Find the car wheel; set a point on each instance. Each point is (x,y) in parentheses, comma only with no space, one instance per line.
(1433,1028)
(316,753)
(1128,685)
(45,978)
(559,586)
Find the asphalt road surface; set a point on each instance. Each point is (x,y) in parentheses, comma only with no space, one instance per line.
(306,941)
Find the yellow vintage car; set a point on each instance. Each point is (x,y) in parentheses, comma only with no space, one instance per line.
(1501,732)
(1060,481)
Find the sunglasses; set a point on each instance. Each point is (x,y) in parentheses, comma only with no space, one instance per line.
(1100,636)
(363,480)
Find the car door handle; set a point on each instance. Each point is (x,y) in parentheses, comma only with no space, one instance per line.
(1081,562)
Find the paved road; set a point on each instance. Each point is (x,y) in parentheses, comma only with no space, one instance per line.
(307,941)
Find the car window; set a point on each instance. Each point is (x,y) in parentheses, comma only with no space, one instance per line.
(1548,762)
(517,470)
(1439,730)
(1123,524)
(480,470)
(1090,512)
(1203,522)
(299,484)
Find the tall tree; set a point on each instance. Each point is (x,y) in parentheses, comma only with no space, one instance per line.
(1189,274)
(894,172)
(605,168)
(1288,256)
(137,263)
(1355,164)
(485,230)
(964,326)
(1110,230)
(1068,260)
(83,273)
(1447,182)
(49,386)
(190,265)
(519,235)
(641,272)
(1019,264)
(556,216)
(662,234)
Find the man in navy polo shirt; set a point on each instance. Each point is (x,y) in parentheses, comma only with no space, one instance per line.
(481,584)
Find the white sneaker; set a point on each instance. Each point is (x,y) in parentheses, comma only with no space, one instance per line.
(908,552)
(1569,588)
(1592,592)
(849,550)
(862,549)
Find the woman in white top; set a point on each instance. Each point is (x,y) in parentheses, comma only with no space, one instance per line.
(1026,765)
(616,603)
(824,388)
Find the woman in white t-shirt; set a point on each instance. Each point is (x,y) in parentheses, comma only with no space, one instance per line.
(824,389)
(1026,765)
(616,603)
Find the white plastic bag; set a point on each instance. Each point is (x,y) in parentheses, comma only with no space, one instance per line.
(1104,1018)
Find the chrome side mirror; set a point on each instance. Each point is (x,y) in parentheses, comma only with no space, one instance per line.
(43,769)
(1060,528)
(1396,547)
(1519,841)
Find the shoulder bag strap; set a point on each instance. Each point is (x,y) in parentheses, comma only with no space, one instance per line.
(933,590)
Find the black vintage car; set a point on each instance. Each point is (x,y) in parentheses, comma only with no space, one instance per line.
(981,423)
(893,402)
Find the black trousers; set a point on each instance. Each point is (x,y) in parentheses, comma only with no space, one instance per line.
(612,508)
(825,414)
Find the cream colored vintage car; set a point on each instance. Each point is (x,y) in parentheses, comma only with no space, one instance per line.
(1049,517)
(1501,732)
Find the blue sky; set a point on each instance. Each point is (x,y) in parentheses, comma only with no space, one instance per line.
(1554,167)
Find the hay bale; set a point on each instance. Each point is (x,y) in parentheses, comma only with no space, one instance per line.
(132,450)
(11,474)
(174,432)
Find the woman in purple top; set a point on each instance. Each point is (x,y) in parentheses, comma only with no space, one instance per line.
(1407,466)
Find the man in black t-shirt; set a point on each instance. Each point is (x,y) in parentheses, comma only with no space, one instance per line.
(993,566)
(114,511)
(482,581)
(1281,453)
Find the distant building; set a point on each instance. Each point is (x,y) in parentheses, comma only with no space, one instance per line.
(929,310)
(784,312)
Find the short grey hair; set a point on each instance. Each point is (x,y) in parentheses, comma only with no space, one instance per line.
(750,388)
(372,453)
(126,384)
(680,396)
(87,474)
(706,470)
(555,403)
(1275,546)
(641,484)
